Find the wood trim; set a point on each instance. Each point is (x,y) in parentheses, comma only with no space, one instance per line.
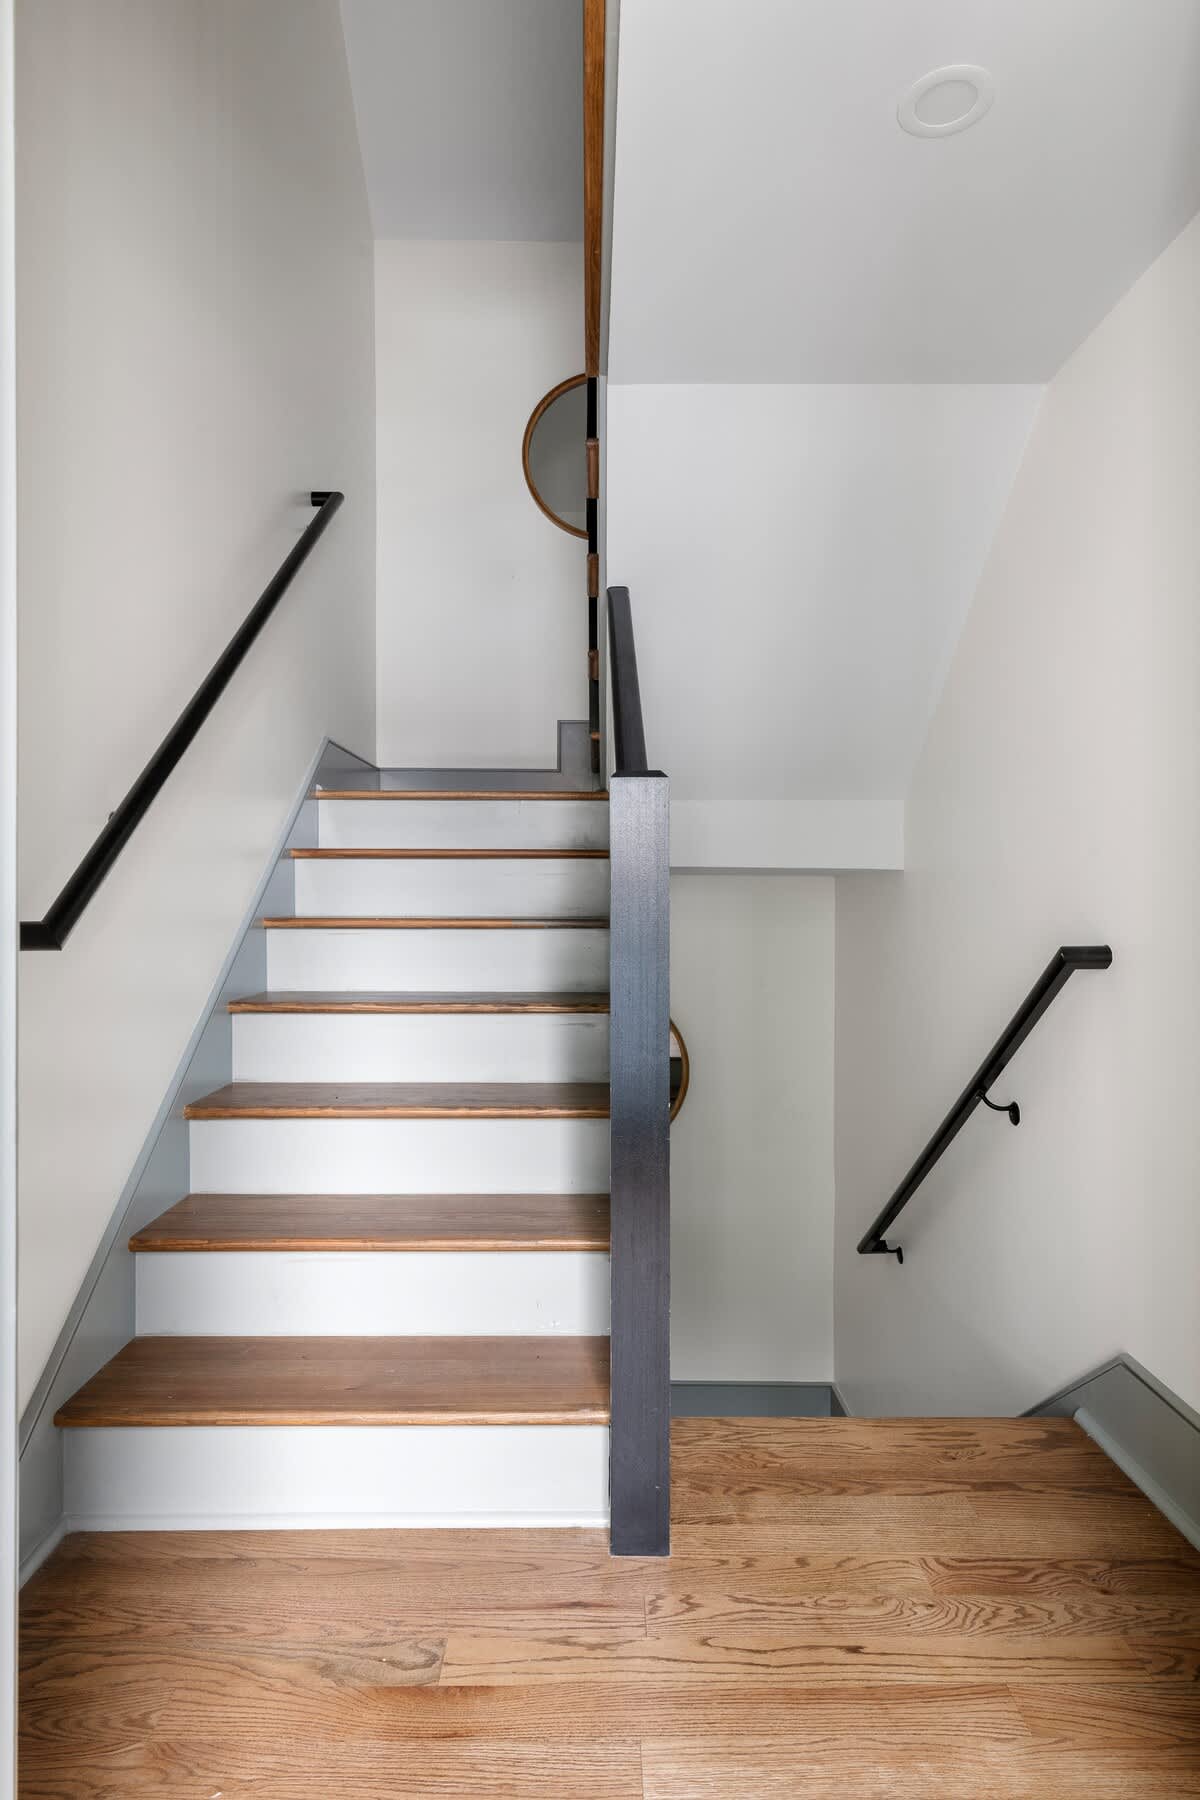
(378,1222)
(340,923)
(459,794)
(347,1381)
(685,1073)
(593,179)
(593,468)
(403,1100)
(593,575)
(368,853)
(380,1002)
(546,401)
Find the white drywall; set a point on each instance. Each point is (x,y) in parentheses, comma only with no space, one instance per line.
(752,1149)
(772,222)
(482,634)
(471,116)
(1056,801)
(195,328)
(800,561)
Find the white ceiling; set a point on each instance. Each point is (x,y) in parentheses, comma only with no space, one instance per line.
(801,560)
(772,222)
(470,116)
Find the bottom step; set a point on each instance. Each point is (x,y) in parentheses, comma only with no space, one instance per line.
(180,1478)
(202,1432)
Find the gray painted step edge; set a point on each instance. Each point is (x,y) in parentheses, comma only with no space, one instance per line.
(755,1400)
(1147,1430)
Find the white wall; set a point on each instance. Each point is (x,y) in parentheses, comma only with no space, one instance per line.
(482,634)
(801,559)
(195,347)
(752,1149)
(1056,801)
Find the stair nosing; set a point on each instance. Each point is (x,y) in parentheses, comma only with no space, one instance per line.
(297,1001)
(119,1395)
(459,794)
(353,1100)
(190,1236)
(400,922)
(402,853)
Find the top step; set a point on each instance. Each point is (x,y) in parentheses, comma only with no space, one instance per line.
(348,820)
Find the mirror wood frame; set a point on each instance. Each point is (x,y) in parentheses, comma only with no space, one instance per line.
(543,406)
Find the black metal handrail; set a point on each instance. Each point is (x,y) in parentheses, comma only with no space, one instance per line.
(52,932)
(1054,977)
(629,733)
(639,1118)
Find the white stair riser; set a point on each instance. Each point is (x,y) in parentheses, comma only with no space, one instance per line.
(524,1293)
(399,1156)
(420,1047)
(287,1476)
(573,960)
(553,887)
(463,824)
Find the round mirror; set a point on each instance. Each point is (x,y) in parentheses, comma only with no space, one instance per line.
(681,1070)
(554,455)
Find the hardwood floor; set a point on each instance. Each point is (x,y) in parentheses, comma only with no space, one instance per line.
(873,1610)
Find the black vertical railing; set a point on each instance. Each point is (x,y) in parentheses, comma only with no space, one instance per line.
(640,1145)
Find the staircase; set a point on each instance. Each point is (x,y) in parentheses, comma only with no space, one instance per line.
(386,1298)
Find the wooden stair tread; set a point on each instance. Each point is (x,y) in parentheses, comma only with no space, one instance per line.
(351,923)
(368,852)
(347,1381)
(404,1100)
(379,1001)
(449,1222)
(459,794)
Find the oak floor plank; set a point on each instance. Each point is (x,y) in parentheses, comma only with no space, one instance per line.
(798,1658)
(347,1381)
(340,1606)
(400,1222)
(776,1769)
(403,1100)
(772,1603)
(757,1473)
(1078,1716)
(304,1768)
(1177,1576)
(155,1696)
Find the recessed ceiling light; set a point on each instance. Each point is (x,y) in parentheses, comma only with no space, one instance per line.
(946,100)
